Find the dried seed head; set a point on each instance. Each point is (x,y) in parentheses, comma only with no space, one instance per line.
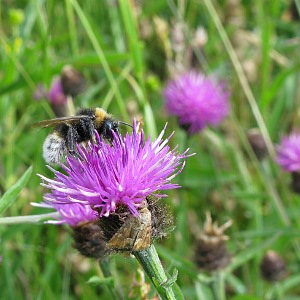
(257,143)
(211,251)
(89,239)
(273,267)
(162,222)
(72,81)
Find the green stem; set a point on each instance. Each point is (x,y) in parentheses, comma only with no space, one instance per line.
(105,268)
(218,286)
(151,264)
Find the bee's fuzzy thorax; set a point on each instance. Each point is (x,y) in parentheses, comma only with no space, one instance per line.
(101,115)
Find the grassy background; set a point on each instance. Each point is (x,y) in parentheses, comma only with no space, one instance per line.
(253,44)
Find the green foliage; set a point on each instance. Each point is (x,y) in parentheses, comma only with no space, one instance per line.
(11,195)
(124,52)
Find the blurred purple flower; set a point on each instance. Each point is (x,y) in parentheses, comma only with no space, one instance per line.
(197,100)
(56,93)
(125,172)
(288,153)
(40,92)
(72,214)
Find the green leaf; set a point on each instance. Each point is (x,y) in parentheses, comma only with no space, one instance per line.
(11,195)
(286,285)
(170,280)
(95,280)
(244,297)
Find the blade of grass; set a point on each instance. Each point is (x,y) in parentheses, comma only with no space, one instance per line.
(102,58)
(266,32)
(135,47)
(116,27)
(11,195)
(246,255)
(241,76)
(17,63)
(72,28)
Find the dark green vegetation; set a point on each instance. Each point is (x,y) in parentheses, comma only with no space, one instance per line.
(122,49)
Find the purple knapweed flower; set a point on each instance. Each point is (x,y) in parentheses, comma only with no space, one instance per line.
(288,153)
(197,100)
(56,93)
(72,214)
(126,172)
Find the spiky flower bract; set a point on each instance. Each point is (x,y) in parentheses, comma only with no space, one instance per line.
(104,176)
(197,101)
(288,153)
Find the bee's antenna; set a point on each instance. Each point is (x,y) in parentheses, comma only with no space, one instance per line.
(123,123)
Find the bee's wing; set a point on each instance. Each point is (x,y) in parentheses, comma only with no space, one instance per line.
(57,121)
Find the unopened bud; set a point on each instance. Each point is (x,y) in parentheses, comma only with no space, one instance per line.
(273,267)
(295,185)
(89,240)
(257,143)
(72,81)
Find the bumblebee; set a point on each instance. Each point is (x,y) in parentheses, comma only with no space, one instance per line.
(69,131)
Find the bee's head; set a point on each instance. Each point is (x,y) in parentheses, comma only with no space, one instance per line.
(110,126)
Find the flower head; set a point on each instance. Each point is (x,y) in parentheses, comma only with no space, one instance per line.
(197,101)
(104,176)
(56,93)
(288,153)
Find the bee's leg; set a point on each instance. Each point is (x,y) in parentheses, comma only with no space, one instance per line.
(72,137)
(88,128)
(91,130)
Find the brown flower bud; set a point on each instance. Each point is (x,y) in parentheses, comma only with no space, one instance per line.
(89,240)
(257,143)
(211,251)
(273,267)
(72,81)
(295,184)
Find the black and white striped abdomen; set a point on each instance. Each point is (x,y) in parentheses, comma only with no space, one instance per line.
(54,148)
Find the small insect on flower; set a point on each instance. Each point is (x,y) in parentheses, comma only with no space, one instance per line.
(69,131)
(134,234)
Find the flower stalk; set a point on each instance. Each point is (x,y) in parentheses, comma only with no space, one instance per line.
(218,286)
(165,287)
(105,268)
